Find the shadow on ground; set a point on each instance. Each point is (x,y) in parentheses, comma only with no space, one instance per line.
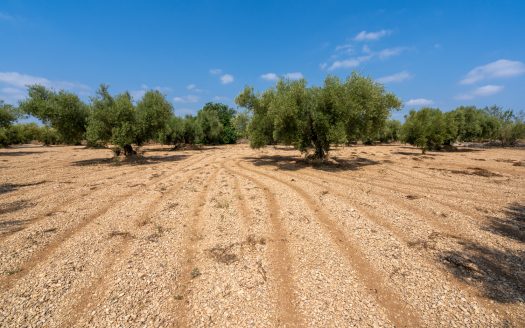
(15,206)
(8,187)
(144,160)
(294,163)
(19,153)
(497,274)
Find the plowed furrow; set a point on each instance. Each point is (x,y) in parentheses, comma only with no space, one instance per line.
(398,311)
(182,308)
(279,258)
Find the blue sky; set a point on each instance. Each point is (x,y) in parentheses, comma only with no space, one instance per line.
(443,53)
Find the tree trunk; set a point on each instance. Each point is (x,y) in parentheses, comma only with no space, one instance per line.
(128,150)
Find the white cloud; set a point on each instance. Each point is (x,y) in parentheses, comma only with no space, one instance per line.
(390,52)
(418,102)
(18,80)
(14,86)
(193,88)
(270,77)
(348,63)
(294,76)
(138,94)
(498,69)
(227,78)
(346,48)
(398,77)
(186,99)
(368,54)
(12,95)
(371,36)
(484,91)
(215,71)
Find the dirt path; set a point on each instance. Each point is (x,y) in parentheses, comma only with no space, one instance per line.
(229,236)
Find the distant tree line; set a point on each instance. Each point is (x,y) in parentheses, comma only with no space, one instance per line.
(432,129)
(116,120)
(312,119)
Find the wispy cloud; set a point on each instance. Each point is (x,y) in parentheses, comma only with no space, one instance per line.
(347,63)
(12,95)
(367,54)
(371,36)
(390,52)
(270,77)
(186,99)
(498,69)
(294,76)
(23,80)
(193,88)
(215,71)
(139,93)
(345,48)
(221,98)
(13,85)
(419,102)
(484,91)
(394,78)
(227,78)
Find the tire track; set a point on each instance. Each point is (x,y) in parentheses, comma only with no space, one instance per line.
(101,175)
(400,313)
(189,245)
(44,214)
(401,236)
(280,258)
(44,253)
(120,252)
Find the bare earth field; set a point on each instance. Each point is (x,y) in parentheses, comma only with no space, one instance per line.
(228,236)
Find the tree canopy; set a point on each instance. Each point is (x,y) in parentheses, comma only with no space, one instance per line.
(316,117)
(62,110)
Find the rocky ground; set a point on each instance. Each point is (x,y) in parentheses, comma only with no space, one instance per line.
(379,236)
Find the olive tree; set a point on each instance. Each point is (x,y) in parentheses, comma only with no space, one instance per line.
(112,120)
(316,117)
(153,114)
(62,110)
(425,129)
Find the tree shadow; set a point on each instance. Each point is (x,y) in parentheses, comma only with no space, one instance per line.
(498,274)
(19,153)
(12,226)
(512,225)
(143,160)
(15,206)
(294,163)
(8,187)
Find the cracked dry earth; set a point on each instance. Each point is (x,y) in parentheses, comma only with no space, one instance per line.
(379,236)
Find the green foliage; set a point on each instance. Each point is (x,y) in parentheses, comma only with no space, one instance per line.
(62,110)
(112,120)
(26,133)
(390,132)
(241,122)
(153,114)
(216,123)
(316,117)
(210,125)
(8,114)
(260,129)
(425,129)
